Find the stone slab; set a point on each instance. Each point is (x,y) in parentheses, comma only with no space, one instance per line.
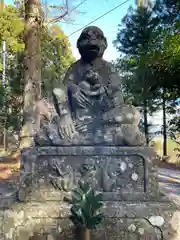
(120,173)
(123,220)
(48,174)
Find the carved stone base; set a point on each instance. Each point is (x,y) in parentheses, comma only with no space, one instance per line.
(134,208)
(120,173)
(126,221)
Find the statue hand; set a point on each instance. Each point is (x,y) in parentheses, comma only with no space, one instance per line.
(66,127)
(81,98)
(81,127)
(96,87)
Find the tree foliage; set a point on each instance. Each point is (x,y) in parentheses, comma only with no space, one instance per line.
(11,29)
(56,57)
(148,39)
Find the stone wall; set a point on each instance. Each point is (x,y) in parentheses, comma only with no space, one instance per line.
(134,208)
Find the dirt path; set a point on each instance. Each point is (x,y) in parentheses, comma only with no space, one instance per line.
(169,182)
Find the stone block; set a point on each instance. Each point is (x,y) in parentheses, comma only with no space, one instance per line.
(120,173)
(134,208)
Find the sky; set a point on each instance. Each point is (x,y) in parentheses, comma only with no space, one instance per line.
(87,12)
(91,10)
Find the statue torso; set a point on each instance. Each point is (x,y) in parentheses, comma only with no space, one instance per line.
(77,70)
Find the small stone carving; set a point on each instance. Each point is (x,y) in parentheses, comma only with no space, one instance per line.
(91,85)
(105,173)
(108,182)
(92,110)
(62,177)
(89,174)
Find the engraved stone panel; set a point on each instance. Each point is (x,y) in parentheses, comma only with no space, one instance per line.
(105,173)
(120,173)
(109,174)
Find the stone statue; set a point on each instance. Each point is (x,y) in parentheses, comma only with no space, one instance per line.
(90,109)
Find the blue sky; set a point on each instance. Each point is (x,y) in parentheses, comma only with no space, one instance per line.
(89,11)
(109,23)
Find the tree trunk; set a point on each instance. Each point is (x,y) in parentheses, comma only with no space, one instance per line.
(145,111)
(164,125)
(5,140)
(1,4)
(32,76)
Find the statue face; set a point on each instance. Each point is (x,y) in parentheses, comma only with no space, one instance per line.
(92,77)
(91,43)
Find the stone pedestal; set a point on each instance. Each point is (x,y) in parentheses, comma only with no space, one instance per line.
(134,208)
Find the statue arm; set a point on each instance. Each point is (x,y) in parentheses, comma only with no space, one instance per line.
(115,85)
(70,79)
(71,82)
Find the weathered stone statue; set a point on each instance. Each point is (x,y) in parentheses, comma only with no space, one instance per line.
(81,136)
(90,110)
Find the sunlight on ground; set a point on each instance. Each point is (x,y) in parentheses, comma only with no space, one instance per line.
(10,160)
(5,174)
(171,145)
(14,167)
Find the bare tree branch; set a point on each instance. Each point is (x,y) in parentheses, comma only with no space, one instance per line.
(65,8)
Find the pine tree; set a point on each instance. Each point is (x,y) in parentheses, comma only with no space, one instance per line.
(150,43)
(134,39)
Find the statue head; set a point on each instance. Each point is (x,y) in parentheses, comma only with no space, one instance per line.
(92,77)
(91,43)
